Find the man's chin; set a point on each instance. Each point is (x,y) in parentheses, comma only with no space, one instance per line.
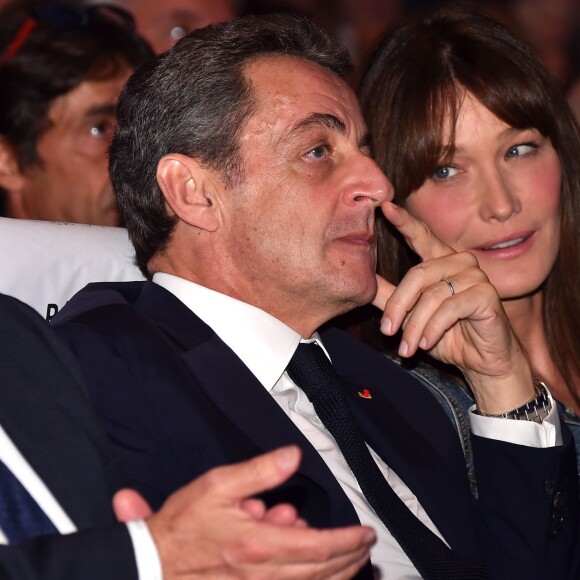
(369,291)
(363,294)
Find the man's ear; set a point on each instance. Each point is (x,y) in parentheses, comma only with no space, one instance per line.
(188,189)
(11,178)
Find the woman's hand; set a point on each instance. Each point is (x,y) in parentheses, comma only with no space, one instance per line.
(447,306)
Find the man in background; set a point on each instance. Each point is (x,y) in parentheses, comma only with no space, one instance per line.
(62,66)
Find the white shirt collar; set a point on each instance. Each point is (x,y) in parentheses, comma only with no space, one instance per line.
(263,343)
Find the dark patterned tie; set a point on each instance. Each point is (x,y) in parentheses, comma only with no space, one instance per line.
(313,372)
(20,516)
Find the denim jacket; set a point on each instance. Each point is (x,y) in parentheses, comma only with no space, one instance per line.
(453,394)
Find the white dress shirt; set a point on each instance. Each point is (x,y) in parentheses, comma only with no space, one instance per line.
(148,564)
(266,345)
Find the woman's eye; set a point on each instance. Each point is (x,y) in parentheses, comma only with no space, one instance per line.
(520,150)
(444,172)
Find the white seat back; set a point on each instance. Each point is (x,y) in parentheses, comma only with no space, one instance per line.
(45,263)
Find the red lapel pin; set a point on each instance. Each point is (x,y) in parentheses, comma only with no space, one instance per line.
(365,394)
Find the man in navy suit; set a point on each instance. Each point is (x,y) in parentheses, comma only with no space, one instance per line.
(243,170)
(55,448)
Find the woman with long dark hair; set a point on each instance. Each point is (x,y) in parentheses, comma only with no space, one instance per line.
(481,146)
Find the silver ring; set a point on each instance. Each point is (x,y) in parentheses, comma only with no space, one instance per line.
(451,289)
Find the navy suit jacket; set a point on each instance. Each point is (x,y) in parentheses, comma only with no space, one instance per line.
(177,401)
(46,413)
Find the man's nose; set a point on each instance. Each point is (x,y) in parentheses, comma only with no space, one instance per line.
(369,184)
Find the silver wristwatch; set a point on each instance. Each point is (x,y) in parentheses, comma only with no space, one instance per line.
(536,410)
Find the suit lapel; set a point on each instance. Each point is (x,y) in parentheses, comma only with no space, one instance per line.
(235,390)
(237,393)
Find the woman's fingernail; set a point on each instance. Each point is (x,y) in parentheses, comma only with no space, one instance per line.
(386,326)
(403,348)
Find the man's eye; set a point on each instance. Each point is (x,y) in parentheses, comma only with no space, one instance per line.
(319,152)
(444,172)
(102,130)
(178,32)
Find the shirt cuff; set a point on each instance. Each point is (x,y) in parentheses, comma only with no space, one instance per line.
(548,433)
(146,555)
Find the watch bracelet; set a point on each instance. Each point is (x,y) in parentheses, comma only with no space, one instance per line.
(535,410)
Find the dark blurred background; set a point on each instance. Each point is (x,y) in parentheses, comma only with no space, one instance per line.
(552,27)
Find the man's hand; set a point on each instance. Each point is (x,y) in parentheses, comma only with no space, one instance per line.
(468,329)
(213,528)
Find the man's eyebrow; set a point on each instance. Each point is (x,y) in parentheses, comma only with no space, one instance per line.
(319,119)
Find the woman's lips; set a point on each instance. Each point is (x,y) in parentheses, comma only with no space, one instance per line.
(509,247)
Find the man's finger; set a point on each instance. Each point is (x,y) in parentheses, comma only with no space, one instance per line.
(130,505)
(281,515)
(242,480)
(296,545)
(416,233)
(254,507)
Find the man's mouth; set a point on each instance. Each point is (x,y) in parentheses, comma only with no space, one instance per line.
(358,238)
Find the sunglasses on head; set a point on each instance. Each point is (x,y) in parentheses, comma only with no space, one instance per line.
(65,18)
